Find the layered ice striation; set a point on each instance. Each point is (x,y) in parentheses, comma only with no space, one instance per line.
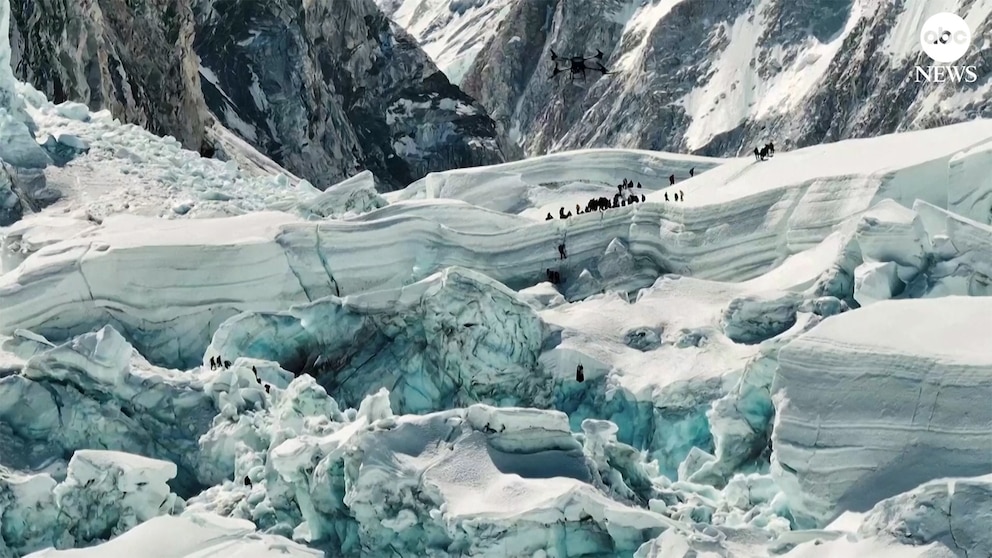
(750,218)
(874,402)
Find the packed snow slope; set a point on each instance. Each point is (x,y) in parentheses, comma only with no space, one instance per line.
(451,32)
(538,185)
(696,77)
(738,220)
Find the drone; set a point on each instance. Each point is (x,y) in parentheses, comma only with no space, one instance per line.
(576,65)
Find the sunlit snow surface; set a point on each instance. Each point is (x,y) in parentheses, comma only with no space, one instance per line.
(750,387)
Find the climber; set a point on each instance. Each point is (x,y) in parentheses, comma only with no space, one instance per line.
(643,198)
(227,364)
(692,172)
(771,148)
(681,195)
(757,154)
(551,275)
(561,213)
(579,376)
(671,179)
(638,184)
(557,277)
(578,211)
(267,387)
(763,153)
(561,251)
(620,189)
(255,372)
(666,196)
(247,481)
(549,217)
(213,364)
(569,214)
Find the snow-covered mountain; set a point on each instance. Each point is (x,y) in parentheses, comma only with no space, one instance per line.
(451,32)
(701,77)
(214,359)
(325,89)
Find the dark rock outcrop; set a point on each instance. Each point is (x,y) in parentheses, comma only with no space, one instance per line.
(330,88)
(325,89)
(134,58)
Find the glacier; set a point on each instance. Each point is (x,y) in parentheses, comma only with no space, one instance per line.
(789,362)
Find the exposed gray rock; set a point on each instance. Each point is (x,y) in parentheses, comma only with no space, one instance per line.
(693,78)
(330,88)
(134,58)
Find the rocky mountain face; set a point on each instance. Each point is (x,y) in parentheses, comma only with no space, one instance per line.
(451,32)
(325,89)
(332,87)
(719,77)
(134,58)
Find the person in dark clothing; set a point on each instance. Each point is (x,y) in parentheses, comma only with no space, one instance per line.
(681,195)
(578,211)
(561,213)
(666,196)
(643,198)
(623,203)
(227,364)
(550,275)
(771,148)
(561,251)
(255,372)
(619,189)
(569,214)
(671,179)
(763,153)
(247,481)
(757,154)
(638,184)
(692,172)
(267,388)
(579,374)
(213,364)
(549,217)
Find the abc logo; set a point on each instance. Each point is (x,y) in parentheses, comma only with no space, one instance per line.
(945,38)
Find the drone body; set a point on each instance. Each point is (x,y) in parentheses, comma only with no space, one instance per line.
(576,65)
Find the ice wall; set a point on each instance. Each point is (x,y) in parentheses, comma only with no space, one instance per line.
(877,401)
(451,339)
(750,218)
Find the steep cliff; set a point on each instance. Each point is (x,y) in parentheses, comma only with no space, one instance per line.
(134,58)
(330,88)
(325,89)
(716,78)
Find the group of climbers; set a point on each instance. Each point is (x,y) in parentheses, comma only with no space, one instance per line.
(218,363)
(766,151)
(622,198)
